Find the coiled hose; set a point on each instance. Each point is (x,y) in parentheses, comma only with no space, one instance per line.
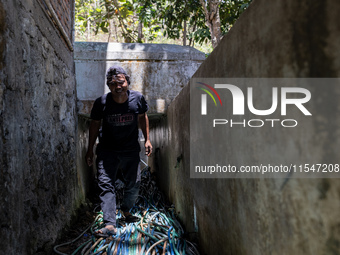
(158,231)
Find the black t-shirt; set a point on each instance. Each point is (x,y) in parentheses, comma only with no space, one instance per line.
(119,131)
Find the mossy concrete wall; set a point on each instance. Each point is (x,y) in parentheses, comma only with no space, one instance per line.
(39,186)
(279,38)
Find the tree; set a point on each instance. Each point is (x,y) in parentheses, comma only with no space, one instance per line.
(196,21)
(212,17)
(107,16)
(207,19)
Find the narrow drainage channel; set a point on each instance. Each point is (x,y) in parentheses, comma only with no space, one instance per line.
(157,232)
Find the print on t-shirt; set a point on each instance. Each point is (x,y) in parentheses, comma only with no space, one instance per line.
(120,119)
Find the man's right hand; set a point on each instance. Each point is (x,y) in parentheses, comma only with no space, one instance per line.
(89,157)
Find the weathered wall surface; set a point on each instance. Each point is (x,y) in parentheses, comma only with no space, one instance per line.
(64,11)
(257,216)
(157,70)
(38,178)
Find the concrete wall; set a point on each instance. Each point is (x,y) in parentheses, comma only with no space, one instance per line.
(157,70)
(39,189)
(280,38)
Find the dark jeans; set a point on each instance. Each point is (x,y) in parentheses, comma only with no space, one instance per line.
(108,164)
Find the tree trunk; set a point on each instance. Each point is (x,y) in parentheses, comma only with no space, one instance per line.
(116,30)
(140,32)
(191,39)
(185,33)
(212,18)
(111,25)
(88,27)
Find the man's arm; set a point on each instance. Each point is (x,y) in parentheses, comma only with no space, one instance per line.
(143,121)
(93,134)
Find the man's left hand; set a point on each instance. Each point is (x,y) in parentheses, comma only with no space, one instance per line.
(148,148)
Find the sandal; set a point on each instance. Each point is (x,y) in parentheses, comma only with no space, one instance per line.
(105,232)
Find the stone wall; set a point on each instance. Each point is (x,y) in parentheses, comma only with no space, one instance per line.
(61,14)
(280,38)
(39,188)
(64,11)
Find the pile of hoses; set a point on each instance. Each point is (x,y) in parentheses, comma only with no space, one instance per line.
(157,231)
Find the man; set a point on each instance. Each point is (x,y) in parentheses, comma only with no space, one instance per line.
(115,118)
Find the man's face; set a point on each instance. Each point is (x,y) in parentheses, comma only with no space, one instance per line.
(118,85)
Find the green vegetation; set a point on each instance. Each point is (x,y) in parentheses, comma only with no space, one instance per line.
(197,23)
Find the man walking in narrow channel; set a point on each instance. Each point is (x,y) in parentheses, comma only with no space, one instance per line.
(115,118)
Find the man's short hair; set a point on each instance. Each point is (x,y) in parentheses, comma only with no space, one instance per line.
(115,70)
